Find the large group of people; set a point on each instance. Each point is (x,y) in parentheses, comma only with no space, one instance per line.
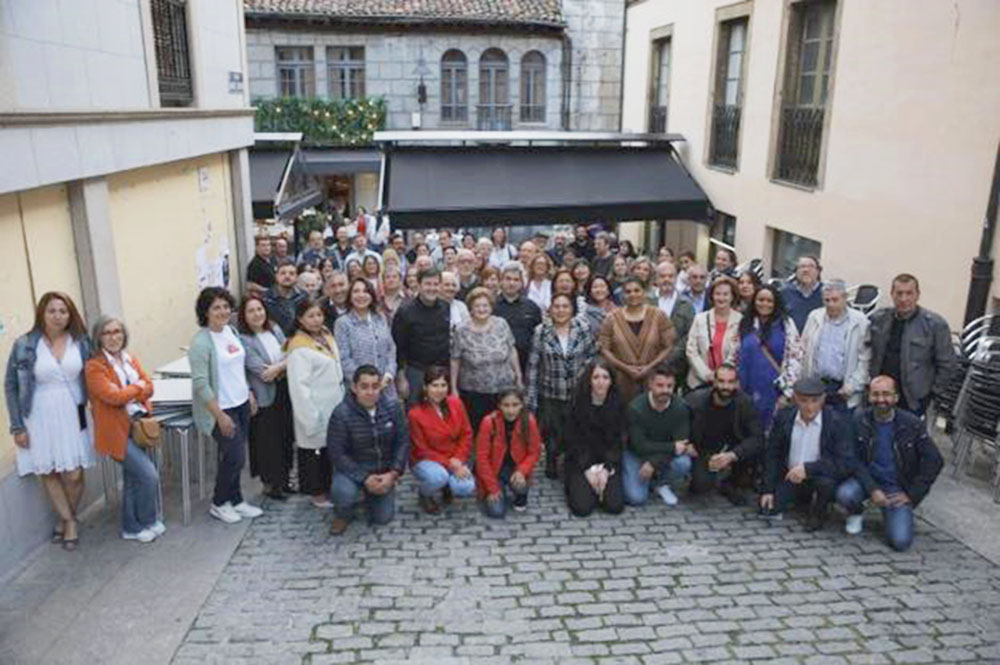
(472,362)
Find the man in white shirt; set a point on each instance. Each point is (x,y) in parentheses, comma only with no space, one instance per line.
(681,313)
(808,454)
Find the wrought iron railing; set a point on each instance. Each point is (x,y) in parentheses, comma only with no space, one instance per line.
(173,64)
(657,119)
(493,117)
(799,141)
(454,112)
(725,135)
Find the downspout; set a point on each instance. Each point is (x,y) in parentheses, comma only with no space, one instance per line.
(982,265)
(567,76)
(621,76)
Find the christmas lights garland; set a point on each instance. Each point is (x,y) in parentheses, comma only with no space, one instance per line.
(350,122)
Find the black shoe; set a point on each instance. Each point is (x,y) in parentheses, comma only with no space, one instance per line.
(735,496)
(276,494)
(520,502)
(447,498)
(428,505)
(815,521)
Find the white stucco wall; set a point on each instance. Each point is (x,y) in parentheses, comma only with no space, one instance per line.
(915,119)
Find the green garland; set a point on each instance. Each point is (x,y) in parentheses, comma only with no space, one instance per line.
(350,122)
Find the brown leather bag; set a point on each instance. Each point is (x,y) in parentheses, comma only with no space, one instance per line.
(146,432)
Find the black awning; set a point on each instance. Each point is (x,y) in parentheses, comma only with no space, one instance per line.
(279,186)
(461,186)
(319,161)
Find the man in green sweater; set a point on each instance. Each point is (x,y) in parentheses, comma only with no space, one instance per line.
(658,450)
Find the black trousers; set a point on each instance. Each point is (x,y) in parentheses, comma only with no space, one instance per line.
(814,493)
(740,474)
(315,471)
(583,500)
(231,456)
(478,406)
(271,440)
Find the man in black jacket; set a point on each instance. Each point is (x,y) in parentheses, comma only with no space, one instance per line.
(422,332)
(808,453)
(896,464)
(369,443)
(521,314)
(725,430)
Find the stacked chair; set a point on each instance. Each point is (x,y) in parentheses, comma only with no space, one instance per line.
(976,411)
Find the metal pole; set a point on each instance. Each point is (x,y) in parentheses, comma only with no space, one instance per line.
(982,265)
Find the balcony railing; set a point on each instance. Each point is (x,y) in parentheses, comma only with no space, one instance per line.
(799,142)
(493,117)
(725,135)
(173,65)
(532,113)
(657,119)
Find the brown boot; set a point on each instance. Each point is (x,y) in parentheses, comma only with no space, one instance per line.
(429,505)
(339,526)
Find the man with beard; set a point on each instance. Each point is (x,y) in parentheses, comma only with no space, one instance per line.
(658,449)
(725,432)
(896,464)
(284,296)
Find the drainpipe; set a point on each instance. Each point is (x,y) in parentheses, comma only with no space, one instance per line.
(567,77)
(621,76)
(982,265)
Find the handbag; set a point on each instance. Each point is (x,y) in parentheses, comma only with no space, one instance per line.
(146,431)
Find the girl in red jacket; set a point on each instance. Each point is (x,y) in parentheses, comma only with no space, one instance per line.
(507,450)
(441,439)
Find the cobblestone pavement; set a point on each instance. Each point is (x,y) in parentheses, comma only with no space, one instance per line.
(702,582)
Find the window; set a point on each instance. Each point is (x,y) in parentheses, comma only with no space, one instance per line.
(728,103)
(494,94)
(296,74)
(724,231)
(345,67)
(454,87)
(173,66)
(533,87)
(660,93)
(786,250)
(806,86)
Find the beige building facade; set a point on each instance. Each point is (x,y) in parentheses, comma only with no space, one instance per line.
(863,132)
(124,126)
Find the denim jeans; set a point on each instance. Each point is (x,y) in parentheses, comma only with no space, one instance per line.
(139,496)
(636,489)
(433,477)
(347,493)
(498,509)
(231,456)
(898,519)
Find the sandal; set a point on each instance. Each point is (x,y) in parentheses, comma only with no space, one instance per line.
(57,536)
(71,544)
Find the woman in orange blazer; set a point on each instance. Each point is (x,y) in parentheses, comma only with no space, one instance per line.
(507,449)
(119,391)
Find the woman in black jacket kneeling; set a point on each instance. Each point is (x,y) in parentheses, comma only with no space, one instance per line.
(594,437)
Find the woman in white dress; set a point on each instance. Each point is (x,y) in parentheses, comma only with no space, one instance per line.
(47,402)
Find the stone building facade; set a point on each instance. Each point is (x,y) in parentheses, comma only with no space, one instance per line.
(562,59)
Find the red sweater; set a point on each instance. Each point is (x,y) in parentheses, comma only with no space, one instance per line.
(440,439)
(491,446)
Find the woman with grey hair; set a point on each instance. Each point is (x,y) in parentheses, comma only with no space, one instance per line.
(120,391)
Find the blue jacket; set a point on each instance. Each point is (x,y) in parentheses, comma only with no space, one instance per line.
(836,458)
(358,447)
(798,306)
(19,380)
(918,461)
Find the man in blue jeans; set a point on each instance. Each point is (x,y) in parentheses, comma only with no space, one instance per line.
(896,464)
(658,449)
(369,443)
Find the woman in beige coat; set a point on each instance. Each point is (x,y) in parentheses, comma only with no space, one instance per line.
(714,338)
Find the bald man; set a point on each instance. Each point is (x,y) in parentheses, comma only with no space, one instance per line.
(681,313)
(896,462)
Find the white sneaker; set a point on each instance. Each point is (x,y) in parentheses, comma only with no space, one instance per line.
(244,509)
(225,512)
(159,528)
(855,524)
(144,536)
(667,495)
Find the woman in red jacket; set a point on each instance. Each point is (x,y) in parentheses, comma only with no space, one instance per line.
(441,439)
(507,450)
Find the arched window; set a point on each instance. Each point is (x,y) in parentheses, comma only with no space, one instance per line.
(494,90)
(533,87)
(454,86)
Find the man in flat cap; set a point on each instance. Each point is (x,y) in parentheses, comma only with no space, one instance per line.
(808,453)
